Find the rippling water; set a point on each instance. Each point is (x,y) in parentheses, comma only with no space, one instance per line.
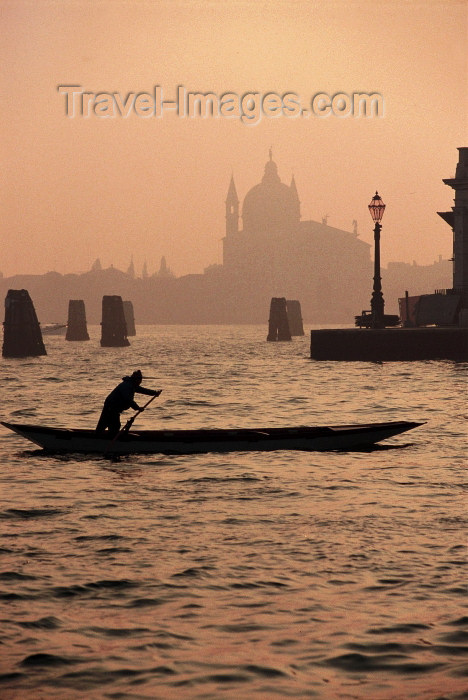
(256,575)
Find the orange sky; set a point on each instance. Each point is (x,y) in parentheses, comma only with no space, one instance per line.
(77,189)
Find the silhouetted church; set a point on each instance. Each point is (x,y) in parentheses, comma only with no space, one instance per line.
(277,254)
(273,253)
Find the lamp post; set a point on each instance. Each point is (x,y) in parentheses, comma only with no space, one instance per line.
(377,208)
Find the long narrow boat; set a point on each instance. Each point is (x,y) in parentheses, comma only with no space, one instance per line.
(54,329)
(344,437)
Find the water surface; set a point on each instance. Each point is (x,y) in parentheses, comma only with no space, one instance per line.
(256,575)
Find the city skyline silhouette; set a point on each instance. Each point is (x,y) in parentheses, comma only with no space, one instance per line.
(79,189)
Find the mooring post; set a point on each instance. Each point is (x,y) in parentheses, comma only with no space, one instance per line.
(129,317)
(278,325)
(76,326)
(113,326)
(295,317)
(22,335)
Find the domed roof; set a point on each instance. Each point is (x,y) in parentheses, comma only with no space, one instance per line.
(271,206)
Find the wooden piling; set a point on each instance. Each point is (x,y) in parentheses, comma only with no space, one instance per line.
(295,317)
(129,317)
(278,325)
(76,326)
(22,335)
(113,326)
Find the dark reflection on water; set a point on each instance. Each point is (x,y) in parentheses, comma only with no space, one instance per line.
(256,575)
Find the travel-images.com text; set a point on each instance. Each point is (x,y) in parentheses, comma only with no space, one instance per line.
(249,107)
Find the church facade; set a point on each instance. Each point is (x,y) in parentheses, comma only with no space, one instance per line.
(276,253)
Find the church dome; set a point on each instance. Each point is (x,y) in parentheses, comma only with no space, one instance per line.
(271,206)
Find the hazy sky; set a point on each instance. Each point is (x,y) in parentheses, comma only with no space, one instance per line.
(74,189)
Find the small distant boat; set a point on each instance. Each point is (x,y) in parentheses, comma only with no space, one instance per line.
(183,442)
(54,329)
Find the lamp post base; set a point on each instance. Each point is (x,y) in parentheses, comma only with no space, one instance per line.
(377,310)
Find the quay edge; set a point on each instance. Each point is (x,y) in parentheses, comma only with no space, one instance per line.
(389,344)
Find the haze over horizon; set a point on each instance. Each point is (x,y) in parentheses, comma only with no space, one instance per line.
(77,189)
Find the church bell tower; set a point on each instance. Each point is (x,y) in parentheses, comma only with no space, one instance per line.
(232,209)
(458,220)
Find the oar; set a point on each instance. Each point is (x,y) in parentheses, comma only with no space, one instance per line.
(129,423)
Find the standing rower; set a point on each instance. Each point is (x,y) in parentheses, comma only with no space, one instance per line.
(120,399)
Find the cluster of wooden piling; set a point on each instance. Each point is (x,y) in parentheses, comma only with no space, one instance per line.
(129,317)
(285,319)
(113,326)
(76,326)
(293,308)
(22,336)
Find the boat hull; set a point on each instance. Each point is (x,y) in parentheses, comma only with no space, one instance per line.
(54,329)
(181,442)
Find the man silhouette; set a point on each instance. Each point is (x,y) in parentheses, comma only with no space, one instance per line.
(120,399)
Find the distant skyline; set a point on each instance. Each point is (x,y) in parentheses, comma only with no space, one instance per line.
(74,190)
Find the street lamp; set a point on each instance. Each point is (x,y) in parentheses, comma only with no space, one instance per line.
(377,208)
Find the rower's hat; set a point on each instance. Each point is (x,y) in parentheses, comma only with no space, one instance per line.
(137,375)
